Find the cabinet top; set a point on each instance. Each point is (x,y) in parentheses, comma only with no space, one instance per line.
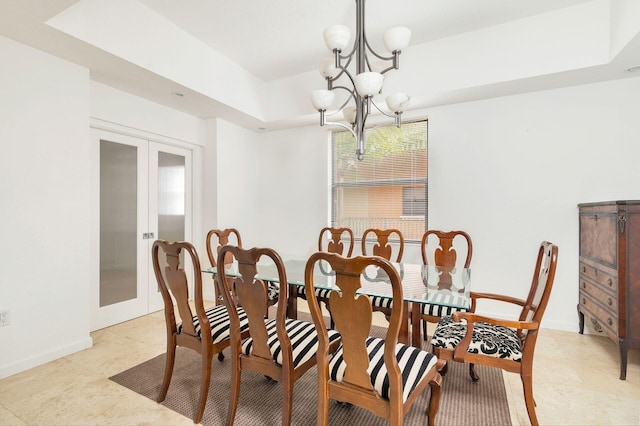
(610,203)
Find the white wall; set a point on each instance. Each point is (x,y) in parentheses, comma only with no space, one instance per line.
(294,189)
(44,212)
(239,172)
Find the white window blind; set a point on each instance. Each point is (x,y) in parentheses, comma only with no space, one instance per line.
(388,189)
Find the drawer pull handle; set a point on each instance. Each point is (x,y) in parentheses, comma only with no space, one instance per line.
(584,285)
(584,269)
(610,282)
(609,321)
(584,301)
(610,302)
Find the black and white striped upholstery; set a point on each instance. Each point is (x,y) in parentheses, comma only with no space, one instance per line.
(414,365)
(219,321)
(321,293)
(303,336)
(442,306)
(381,302)
(487,339)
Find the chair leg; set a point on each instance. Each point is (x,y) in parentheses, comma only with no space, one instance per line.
(323,405)
(424,326)
(444,369)
(168,370)
(234,391)
(472,373)
(220,356)
(434,401)
(415,327)
(527,386)
(287,400)
(204,385)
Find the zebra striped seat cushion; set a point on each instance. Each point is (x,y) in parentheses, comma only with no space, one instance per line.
(381,302)
(321,293)
(487,339)
(219,321)
(414,366)
(442,305)
(303,336)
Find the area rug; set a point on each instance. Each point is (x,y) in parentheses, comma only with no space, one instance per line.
(463,402)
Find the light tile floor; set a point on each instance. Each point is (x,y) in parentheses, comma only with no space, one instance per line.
(575,383)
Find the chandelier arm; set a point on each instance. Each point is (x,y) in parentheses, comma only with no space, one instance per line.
(344,126)
(353,51)
(379,109)
(388,69)
(373,52)
(351,91)
(344,104)
(346,65)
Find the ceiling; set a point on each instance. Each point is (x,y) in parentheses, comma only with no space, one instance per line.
(272,41)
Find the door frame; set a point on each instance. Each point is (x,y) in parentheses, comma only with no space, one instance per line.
(113,131)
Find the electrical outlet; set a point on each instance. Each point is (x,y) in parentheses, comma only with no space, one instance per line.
(5,318)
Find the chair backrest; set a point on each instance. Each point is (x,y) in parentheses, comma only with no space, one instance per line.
(347,305)
(173,282)
(541,284)
(251,294)
(380,244)
(443,252)
(335,244)
(217,238)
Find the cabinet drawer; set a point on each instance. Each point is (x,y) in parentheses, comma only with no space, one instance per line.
(609,301)
(605,279)
(607,320)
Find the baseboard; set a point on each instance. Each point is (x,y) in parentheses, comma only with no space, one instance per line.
(34,361)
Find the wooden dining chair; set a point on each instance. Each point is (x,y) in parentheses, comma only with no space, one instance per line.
(331,240)
(281,348)
(501,343)
(439,249)
(379,245)
(206,331)
(376,374)
(216,239)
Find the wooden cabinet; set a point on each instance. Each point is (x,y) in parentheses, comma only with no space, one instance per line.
(610,272)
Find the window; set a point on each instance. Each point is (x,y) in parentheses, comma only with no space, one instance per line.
(388,189)
(414,201)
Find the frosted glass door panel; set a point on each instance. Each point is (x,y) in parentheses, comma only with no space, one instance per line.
(171,196)
(120,215)
(118,222)
(169,202)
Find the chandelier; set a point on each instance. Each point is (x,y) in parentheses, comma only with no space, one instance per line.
(367,80)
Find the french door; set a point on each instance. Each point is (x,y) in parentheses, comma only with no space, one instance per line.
(143,194)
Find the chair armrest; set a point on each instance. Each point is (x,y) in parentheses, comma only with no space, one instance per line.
(492,296)
(473,317)
(462,347)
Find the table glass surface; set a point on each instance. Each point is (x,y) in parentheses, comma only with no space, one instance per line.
(427,284)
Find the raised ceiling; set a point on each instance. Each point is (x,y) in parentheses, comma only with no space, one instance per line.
(253,61)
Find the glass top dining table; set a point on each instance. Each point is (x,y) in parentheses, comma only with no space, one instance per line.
(421,284)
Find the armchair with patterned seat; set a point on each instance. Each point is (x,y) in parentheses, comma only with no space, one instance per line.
(506,344)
